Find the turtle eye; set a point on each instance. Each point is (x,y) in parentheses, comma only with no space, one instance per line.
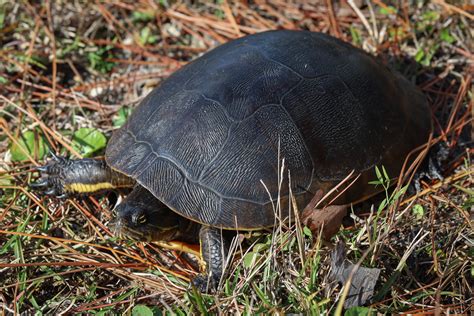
(142,219)
(138,218)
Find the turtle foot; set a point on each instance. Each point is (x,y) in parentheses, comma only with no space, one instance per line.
(50,181)
(431,169)
(205,283)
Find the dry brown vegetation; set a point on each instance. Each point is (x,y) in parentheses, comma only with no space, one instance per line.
(69,74)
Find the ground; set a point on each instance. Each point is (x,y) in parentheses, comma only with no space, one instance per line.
(70,74)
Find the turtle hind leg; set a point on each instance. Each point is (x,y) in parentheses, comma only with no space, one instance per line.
(431,168)
(214,249)
(62,177)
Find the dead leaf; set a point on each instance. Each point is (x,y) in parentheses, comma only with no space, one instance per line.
(329,218)
(363,280)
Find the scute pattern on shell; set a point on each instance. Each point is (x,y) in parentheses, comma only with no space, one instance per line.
(209,142)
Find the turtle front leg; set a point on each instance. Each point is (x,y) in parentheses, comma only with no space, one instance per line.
(62,177)
(214,250)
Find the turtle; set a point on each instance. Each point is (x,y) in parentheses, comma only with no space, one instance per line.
(261,119)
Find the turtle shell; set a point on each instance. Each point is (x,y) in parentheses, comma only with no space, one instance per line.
(233,132)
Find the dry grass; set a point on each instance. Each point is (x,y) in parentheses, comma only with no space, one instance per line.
(66,66)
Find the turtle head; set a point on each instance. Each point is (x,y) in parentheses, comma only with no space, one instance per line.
(143,217)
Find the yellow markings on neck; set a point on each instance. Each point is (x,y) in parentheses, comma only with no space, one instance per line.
(86,188)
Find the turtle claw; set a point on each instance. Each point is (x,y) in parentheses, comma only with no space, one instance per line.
(62,196)
(42,168)
(51,191)
(42,183)
(55,157)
